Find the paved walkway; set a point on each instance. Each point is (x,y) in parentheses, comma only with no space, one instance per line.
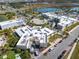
(72,50)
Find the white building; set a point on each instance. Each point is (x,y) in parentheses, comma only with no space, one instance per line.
(64,20)
(26,40)
(28,35)
(20,31)
(22,43)
(10,23)
(13,1)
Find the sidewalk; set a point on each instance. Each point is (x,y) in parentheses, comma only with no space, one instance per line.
(72,50)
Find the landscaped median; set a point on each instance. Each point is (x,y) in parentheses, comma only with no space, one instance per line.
(71,26)
(69,49)
(54,37)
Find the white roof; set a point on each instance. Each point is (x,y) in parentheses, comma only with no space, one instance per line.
(40,34)
(64,20)
(50,15)
(47,31)
(12,1)
(23,40)
(20,31)
(10,22)
(27,29)
(17,56)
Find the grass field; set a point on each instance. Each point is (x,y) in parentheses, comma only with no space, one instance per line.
(71,27)
(3,18)
(10,55)
(75,54)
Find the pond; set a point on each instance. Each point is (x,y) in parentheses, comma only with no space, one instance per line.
(47,10)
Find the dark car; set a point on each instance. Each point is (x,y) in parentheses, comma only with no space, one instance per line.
(35,54)
(55,45)
(64,52)
(60,41)
(49,50)
(60,57)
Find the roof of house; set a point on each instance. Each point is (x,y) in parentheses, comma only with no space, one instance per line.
(41,35)
(20,31)
(10,22)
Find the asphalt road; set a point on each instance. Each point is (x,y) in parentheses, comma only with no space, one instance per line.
(60,47)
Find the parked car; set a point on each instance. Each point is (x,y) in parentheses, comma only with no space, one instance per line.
(36,53)
(60,57)
(64,52)
(49,50)
(60,41)
(54,45)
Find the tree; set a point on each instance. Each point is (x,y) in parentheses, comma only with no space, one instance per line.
(18,50)
(25,54)
(10,15)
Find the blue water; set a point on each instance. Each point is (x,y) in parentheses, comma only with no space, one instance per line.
(46,10)
(75,9)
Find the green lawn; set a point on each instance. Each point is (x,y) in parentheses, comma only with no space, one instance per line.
(1,57)
(3,18)
(65,57)
(71,27)
(75,54)
(54,37)
(10,55)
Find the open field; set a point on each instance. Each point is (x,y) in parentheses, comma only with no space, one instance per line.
(9,54)
(3,18)
(75,54)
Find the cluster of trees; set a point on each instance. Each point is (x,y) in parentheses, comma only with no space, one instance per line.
(10,15)
(25,54)
(11,39)
(12,42)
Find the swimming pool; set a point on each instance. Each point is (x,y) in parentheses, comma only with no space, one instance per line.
(47,10)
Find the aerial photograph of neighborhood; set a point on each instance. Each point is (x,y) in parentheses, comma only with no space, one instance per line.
(39,29)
